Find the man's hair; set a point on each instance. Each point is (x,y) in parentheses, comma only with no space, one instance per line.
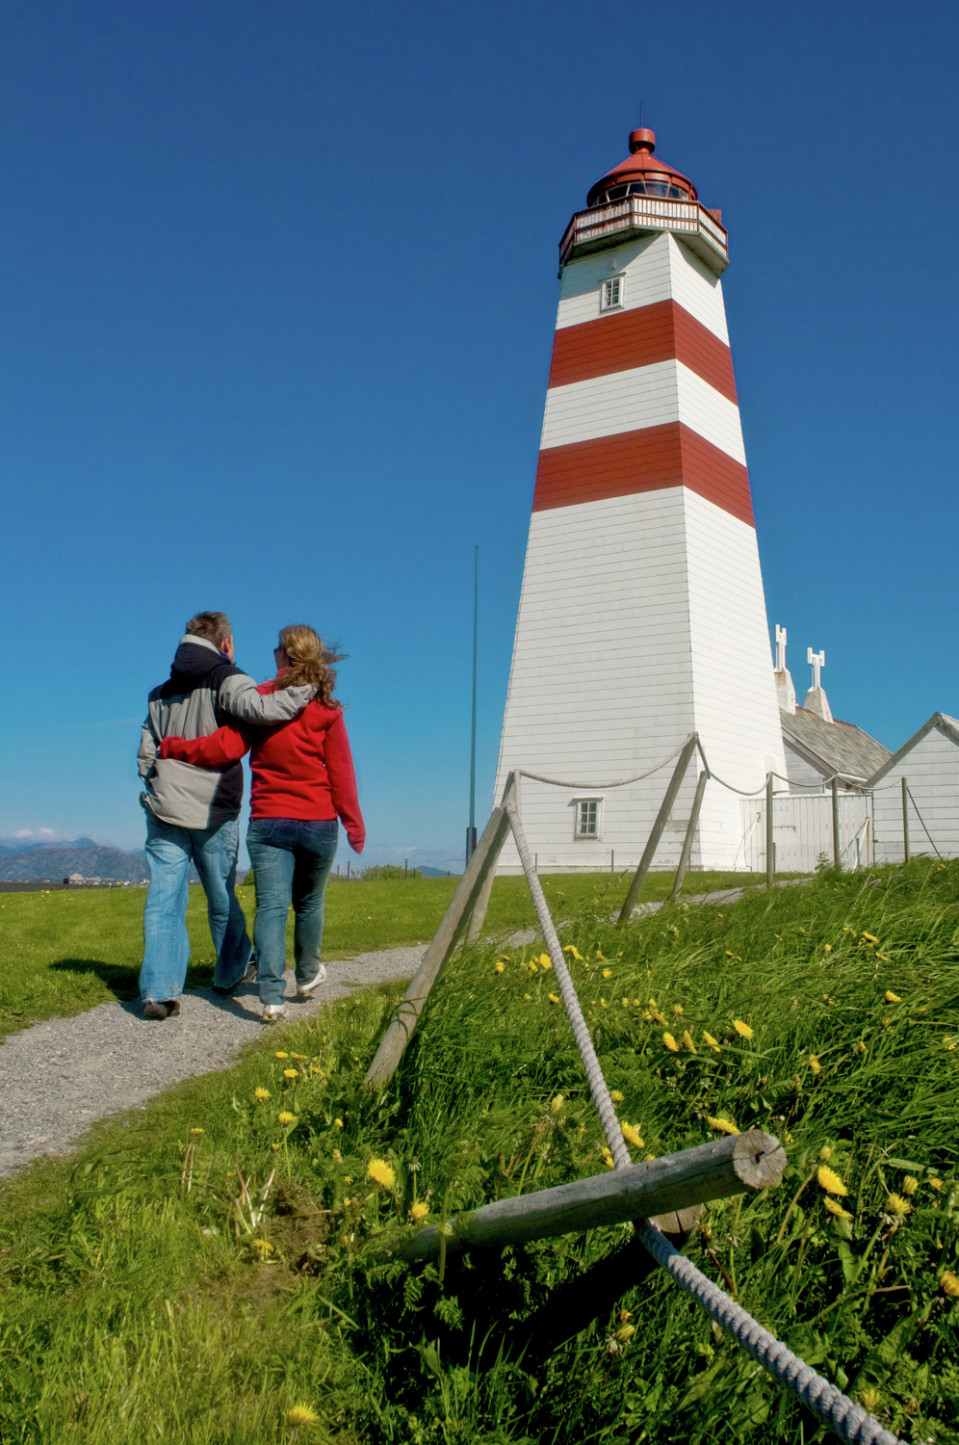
(212,626)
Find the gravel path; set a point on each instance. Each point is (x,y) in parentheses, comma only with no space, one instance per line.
(59,1077)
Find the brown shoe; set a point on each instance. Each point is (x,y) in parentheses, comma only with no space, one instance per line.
(167,1009)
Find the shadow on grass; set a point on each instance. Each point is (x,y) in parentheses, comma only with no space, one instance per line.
(120,979)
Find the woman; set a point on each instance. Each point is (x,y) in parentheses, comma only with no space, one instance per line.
(302,782)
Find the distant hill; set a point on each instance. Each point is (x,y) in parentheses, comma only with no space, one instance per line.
(433,872)
(38,862)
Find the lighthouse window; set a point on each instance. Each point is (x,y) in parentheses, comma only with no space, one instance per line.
(611,294)
(588,817)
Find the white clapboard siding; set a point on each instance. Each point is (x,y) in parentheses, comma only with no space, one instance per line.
(656,268)
(930,765)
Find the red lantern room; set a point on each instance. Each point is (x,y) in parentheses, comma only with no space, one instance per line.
(642,175)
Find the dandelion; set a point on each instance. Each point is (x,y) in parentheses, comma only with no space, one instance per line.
(827,948)
(868,938)
(285,1118)
(196,1131)
(499,966)
(290,1074)
(949,1284)
(553,997)
(687,1041)
(337,1123)
(830,1181)
(678,1010)
(653,1014)
(936,1184)
(607,973)
(890,997)
(574,952)
(825,1154)
(632,1136)
(909,1185)
(670,1043)
(711,1042)
(836,1209)
(815,1067)
(608,1159)
(624,1002)
(603,1003)
(869,1399)
(261,1094)
(281,1055)
(532,966)
(299,1415)
(616,1096)
(897,1206)
(625,1333)
(545,961)
(528,997)
(861,1048)
(381,1173)
(337,1157)
(556,1104)
(949,1043)
(419,1211)
(721,1126)
(742,1029)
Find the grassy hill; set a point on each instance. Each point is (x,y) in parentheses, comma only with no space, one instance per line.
(217,1270)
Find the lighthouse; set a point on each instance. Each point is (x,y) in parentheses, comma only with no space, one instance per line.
(642,617)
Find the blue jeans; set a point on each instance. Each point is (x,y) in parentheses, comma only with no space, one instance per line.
(291,860)
(166,946)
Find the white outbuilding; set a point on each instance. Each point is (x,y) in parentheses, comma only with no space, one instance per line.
(916,795)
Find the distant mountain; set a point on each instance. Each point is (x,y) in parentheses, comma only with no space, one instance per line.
(38,862)
(434,872)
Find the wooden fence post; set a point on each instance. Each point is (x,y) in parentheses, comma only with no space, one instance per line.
(690,834)
(836,846)
(770,833)
(679,772)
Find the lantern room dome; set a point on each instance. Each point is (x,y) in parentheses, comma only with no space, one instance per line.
(641,174)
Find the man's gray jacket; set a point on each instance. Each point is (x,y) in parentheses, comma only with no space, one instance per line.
(203,691)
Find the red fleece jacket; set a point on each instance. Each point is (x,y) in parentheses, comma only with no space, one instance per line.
(303,769)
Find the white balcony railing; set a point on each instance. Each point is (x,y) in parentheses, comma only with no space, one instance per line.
(591,230)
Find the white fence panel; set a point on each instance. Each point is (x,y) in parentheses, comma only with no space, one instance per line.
(802,831)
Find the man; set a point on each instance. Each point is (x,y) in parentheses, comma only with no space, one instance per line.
(193,813)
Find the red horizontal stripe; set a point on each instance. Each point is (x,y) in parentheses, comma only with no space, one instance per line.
(642,461)
(640,337)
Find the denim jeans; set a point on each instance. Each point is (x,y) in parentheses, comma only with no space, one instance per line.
(166,947)
(291,860)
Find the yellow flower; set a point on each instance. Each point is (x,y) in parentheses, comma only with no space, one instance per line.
(710,1041)
(869,1399)
(836,1209)
(721,1126)
(261,1094)
(607,973)
(687,1041)
(291,1074)
(284,1117)
(861,1048)
(625,1333)
(281,1055)
(624,1002)
(196,1131)
(574,952)
(632,1136)
(337,1123)
(949,1284)
(744,1031)
(869,938)
(897,1206)
(670,1043)
(815,1067)
(825,1154)
(830,1181)
(298,1415)
(532,966)
(499,966)
(556,1104)
(909,1185)
(263,1247)
(419,1211)
(678,1010)
(890,997)
(337,1157)
(827,948)
(653,1015)
(603,1003)
(553,998)
(608,1159)
(381,1173)
(616,1096)
(936,1184)
(528,997)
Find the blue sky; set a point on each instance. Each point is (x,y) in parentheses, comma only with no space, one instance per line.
(279,291)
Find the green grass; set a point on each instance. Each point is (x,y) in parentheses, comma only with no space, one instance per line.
(75,950)
(142,1296)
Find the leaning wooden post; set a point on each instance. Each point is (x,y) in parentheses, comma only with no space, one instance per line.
(836,848)
(406,1016)
(770,834)
(731,1165)
(905,820)
(477,915)
(649,852)
(690,834)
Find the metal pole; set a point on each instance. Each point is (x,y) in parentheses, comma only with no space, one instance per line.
(471,830)
(905,820)
(770,834)
(836,849)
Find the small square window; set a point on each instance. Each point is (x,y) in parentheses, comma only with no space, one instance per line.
(611,293)
(588,818)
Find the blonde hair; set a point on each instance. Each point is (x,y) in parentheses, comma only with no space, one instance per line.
(311,663)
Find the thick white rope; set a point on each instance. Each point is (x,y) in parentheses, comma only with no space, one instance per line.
(849,1421)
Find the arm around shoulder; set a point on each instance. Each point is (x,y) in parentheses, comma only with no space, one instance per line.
(239,696)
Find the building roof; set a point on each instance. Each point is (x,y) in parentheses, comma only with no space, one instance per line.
(652,176)
(837,749)
(941,720)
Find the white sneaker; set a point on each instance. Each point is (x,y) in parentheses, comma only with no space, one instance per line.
(273,1012)
(303,990)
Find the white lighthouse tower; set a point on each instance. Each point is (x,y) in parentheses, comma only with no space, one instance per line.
(642,617)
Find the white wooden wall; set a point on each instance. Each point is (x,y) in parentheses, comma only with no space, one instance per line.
(932,770)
